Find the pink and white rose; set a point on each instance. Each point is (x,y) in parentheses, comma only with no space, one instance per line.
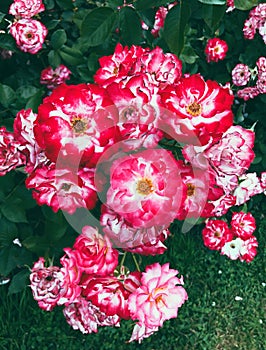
(158,297)
(26,8)
(94,252)
(243,225)
(215,234)
(29,34)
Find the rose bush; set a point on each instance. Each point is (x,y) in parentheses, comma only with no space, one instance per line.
(111,141)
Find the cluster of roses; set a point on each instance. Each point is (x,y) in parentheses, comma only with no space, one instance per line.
(96,293)
(256,21)
(29,33)
(101,141)
(236,242)
(242,74)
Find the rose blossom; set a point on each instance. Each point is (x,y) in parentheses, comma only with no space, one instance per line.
(233,248)
(145,241)
(223,204)
(145,188)
(196,110)
(140,332)
(248,187)
(250,27)
(248,250)
(54,77)
(94,252)
(45,284)
(261,82)
(26,8)
(23,132)
(71,275)
(215,234)
(261,64)
(62,189)
(216,49)
(248,92)
(119,65)
(29,35)
(108,293)
(241,74)
(232,154)
(86,317)
(76,123)
(243,225)
(137,101)
(10,156)
(157,298)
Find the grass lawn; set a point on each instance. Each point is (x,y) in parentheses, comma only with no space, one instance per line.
(225,310)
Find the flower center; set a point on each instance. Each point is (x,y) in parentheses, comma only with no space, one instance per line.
(115,71)
(79,126)
(145,187)
(194,109)
(217,234)
(65,187)
(128,113)
(29,35)
(190,190)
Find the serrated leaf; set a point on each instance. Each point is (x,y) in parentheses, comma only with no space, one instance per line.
(19,282)
(245,4)
(58,39)
(7,95)
(130,19)
(213,2)
(174,27)
(146,4)
(97,26)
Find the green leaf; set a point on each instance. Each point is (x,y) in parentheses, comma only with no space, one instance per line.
(130,19)
(213,2)
(7,95)
(35,100)
(8,232)
(97,26)
(14,211)
(49,4)
(245,4)
(2,15)
(7,42)
(65,4)
(26,91)
(174,27)
(13,256)
(212,15)
(54,59)
(71,56)
(19,282)
(146,4)
(58,39)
